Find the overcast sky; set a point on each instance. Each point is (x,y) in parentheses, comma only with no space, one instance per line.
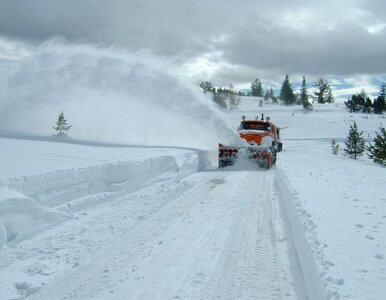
(218,40)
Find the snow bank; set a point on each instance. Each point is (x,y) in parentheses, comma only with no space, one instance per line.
(109,95)
(298,234)
(21,217)
(31,203)
(340,204)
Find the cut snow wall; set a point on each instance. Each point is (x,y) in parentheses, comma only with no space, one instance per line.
(30,204)
(21,217)
(311,273)
(60,187)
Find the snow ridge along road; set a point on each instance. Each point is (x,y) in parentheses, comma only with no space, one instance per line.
(215,239)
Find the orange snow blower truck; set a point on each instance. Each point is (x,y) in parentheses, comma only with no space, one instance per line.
(263,138)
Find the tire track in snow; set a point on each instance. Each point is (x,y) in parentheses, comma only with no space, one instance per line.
(248,268)
(215,241)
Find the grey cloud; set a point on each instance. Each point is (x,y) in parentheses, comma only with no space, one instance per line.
(376,8)
(344,50)
(39,20)
(258,37)
(168,27)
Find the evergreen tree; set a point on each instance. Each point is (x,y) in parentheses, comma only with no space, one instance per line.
(355,143)
(382,91)
(304,95)
(379,104)
(271,95)
(225,97)
(219,97)
(377,152)
(323,92)
(233,99)
(330,97)
(367,107)
(266,95)
(334,147)
(257,88)
(297,98)
(357,102)
(286,93)
(62,125)
(365,101)
(206,86)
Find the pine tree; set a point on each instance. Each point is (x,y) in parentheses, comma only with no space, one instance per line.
(62,125)
(226,97)
(206,86)
(377,152)
(367,106)
(304,95)
(355,143)
(286,93)
(330,97)
(356,103)
(382,91)
(379,104)
(272,95)
(233,99)
(257,88)
(266,95)
(334,147)
(323,92)
(359,102)
(365,101)
(219,97)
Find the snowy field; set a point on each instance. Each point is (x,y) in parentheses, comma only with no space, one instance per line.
(64,206)
(132,207)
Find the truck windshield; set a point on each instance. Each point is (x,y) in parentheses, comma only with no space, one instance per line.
(255,126)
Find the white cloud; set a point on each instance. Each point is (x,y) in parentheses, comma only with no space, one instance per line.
(376,28)
(345,87)
(11,50)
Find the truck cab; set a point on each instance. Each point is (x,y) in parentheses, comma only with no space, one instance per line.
(260,132)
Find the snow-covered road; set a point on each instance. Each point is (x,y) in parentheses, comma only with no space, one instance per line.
(211,235)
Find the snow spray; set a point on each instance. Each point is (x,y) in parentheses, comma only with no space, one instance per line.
(109,95)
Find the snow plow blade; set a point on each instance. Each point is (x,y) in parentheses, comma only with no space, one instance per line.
(263,156)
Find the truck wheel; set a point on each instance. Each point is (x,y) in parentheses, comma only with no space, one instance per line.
(267,164)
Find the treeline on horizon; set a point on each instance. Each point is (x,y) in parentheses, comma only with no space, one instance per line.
(322,93)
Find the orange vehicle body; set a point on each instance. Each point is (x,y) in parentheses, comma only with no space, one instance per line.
(253,131)
(263,138)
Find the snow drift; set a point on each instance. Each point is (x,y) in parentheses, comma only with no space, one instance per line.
(109,95)
(32,203)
